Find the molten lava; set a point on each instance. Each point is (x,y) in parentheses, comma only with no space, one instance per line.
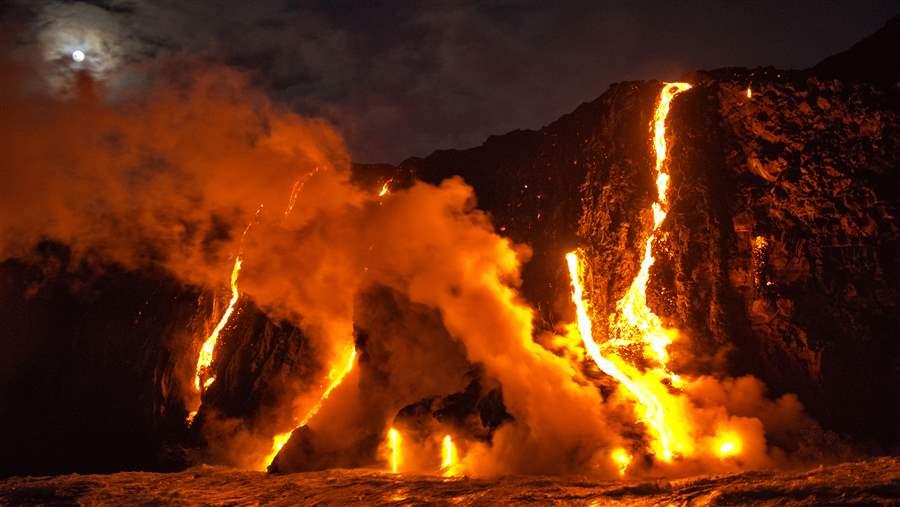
(653,412)
(335,377)
(448,456)
(385,189)
(209,346)
(727,445)
(207,350)
(394,446)
(622,459)
(635,331)
(634,328)
(636,352)
(296,189)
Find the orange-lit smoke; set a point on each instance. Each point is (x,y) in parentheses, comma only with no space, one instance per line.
(176,170)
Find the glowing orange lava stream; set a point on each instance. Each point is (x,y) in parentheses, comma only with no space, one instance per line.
(394,443)
(654,414)
(296,189)
(207,350)
(448,456)
(335,377)
(634,328)
(385,188)
(634,324)
(622,460)
(209,346)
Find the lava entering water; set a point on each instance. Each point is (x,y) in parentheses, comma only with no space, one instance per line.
(394,445)
(622,459)
(636,333)
(335,377)
(448,456)
(654,413)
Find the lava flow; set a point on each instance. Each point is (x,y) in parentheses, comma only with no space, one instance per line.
(622,459)
(207,350)
(385,188)
(296,189)
(634,325)
(448,456)
(654,414)
(335,377)
(205,358)
(636,333)
(394,446)
(209,346)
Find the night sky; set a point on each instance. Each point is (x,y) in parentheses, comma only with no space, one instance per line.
(401,79)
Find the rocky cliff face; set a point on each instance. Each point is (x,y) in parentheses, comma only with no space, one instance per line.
(779,257)
(87,353)
(795,231)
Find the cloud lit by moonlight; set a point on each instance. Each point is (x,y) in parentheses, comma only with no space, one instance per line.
(86,35)
(84,38)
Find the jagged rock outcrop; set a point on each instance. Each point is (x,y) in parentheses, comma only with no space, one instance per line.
(798,232)
(95,359)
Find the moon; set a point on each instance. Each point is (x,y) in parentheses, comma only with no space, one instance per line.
(78,55)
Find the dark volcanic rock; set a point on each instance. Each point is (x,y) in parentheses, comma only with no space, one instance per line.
(87,375)
(95,359)
(871,59)
(808,175)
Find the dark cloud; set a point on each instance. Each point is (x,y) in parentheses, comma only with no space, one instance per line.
(403,78)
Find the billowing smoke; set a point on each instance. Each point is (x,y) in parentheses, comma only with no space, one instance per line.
(170,176)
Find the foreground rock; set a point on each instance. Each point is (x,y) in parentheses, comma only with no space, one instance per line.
(871,482)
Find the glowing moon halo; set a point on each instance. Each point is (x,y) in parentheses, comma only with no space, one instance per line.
(78,55)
